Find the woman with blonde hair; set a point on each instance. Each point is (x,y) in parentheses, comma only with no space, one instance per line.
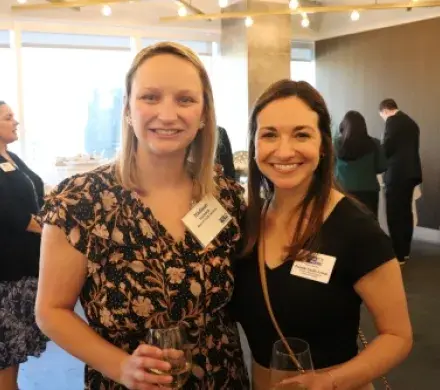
(115,238)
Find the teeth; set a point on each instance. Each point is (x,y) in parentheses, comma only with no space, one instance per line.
(285,167)
(166,132)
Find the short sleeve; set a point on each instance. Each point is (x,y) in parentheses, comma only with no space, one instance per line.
(370,247)
(70,207)
(231,196)
(233,193)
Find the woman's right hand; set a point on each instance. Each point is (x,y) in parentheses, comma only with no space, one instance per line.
(135,369)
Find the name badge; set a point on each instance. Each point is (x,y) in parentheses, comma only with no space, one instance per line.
(318,267)
(206,220)
(7,167)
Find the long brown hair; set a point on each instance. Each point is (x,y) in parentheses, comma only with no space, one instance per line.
(200,155)
(318,193)
(354,141)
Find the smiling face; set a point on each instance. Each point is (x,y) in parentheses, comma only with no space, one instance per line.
(166,104)
(8,125)
(288,143)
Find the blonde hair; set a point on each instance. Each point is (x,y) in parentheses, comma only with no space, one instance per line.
(201,152)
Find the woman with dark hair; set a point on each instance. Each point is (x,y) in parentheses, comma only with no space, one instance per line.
(359,159)
(21,196)
(278,291)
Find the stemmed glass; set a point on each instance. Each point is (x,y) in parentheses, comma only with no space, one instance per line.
(283,364)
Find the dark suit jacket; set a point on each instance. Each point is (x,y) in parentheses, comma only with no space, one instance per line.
(401,144)
(224,155)
(21,195)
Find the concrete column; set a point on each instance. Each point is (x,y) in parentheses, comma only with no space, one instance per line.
(252,58)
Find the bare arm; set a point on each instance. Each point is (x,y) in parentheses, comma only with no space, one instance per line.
(62,274)
(383,293)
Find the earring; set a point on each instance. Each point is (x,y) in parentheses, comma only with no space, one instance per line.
(202,125)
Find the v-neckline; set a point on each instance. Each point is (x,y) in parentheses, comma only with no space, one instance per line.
(272,269)
(160,227)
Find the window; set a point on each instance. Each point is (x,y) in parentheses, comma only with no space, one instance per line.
(72,100)
(303,71)
(302,64)
(7,75)
(202,48)
(8,78)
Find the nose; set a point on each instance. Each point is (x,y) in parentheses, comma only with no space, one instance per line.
(285,148)
(167,110)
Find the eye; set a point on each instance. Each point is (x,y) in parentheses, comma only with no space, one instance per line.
(186,99)
(302,135)
(150,97)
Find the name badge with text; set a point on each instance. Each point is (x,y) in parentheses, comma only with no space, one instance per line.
(7,167)
(206,220)
(318,267)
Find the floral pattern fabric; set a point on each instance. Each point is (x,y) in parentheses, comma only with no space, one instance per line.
(139,277)
(20,336)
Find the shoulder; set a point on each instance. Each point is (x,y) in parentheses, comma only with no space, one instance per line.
(14,156)
(87,184)
(221,131)
(17,160)
(83,198)
(357,225)
(349,217)
(224,183)
(363,244)
(229,192)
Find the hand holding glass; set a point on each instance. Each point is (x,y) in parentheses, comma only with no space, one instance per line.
(176,352)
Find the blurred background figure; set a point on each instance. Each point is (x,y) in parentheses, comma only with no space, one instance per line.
(401,142)
(359,159)
(224,153)
(21,196)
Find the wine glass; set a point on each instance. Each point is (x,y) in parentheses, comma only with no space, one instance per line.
(176,351)
(282,364)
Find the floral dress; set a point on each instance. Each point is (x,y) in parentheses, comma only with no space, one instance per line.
(139,277)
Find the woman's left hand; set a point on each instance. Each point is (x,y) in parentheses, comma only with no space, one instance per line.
(309,381)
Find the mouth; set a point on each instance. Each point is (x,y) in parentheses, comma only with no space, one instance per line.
(286,168)
(166,132)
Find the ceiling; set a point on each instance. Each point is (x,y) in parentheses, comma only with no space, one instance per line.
(146,13)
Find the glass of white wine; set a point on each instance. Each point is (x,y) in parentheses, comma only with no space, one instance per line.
(176,350)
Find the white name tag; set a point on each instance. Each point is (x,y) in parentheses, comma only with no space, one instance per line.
(318,268)
(7,167)
(206,220)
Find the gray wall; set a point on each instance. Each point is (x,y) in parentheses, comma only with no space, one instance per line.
(403,62)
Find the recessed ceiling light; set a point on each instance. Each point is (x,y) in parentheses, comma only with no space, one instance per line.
(293,4)
(182,11)
(305,22)
(248,21)
(222,3)
(355,16)
(21,1)
(106,10)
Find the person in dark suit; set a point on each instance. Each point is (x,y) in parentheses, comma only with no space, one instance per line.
(401,144)
(224,155)
(21,197)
